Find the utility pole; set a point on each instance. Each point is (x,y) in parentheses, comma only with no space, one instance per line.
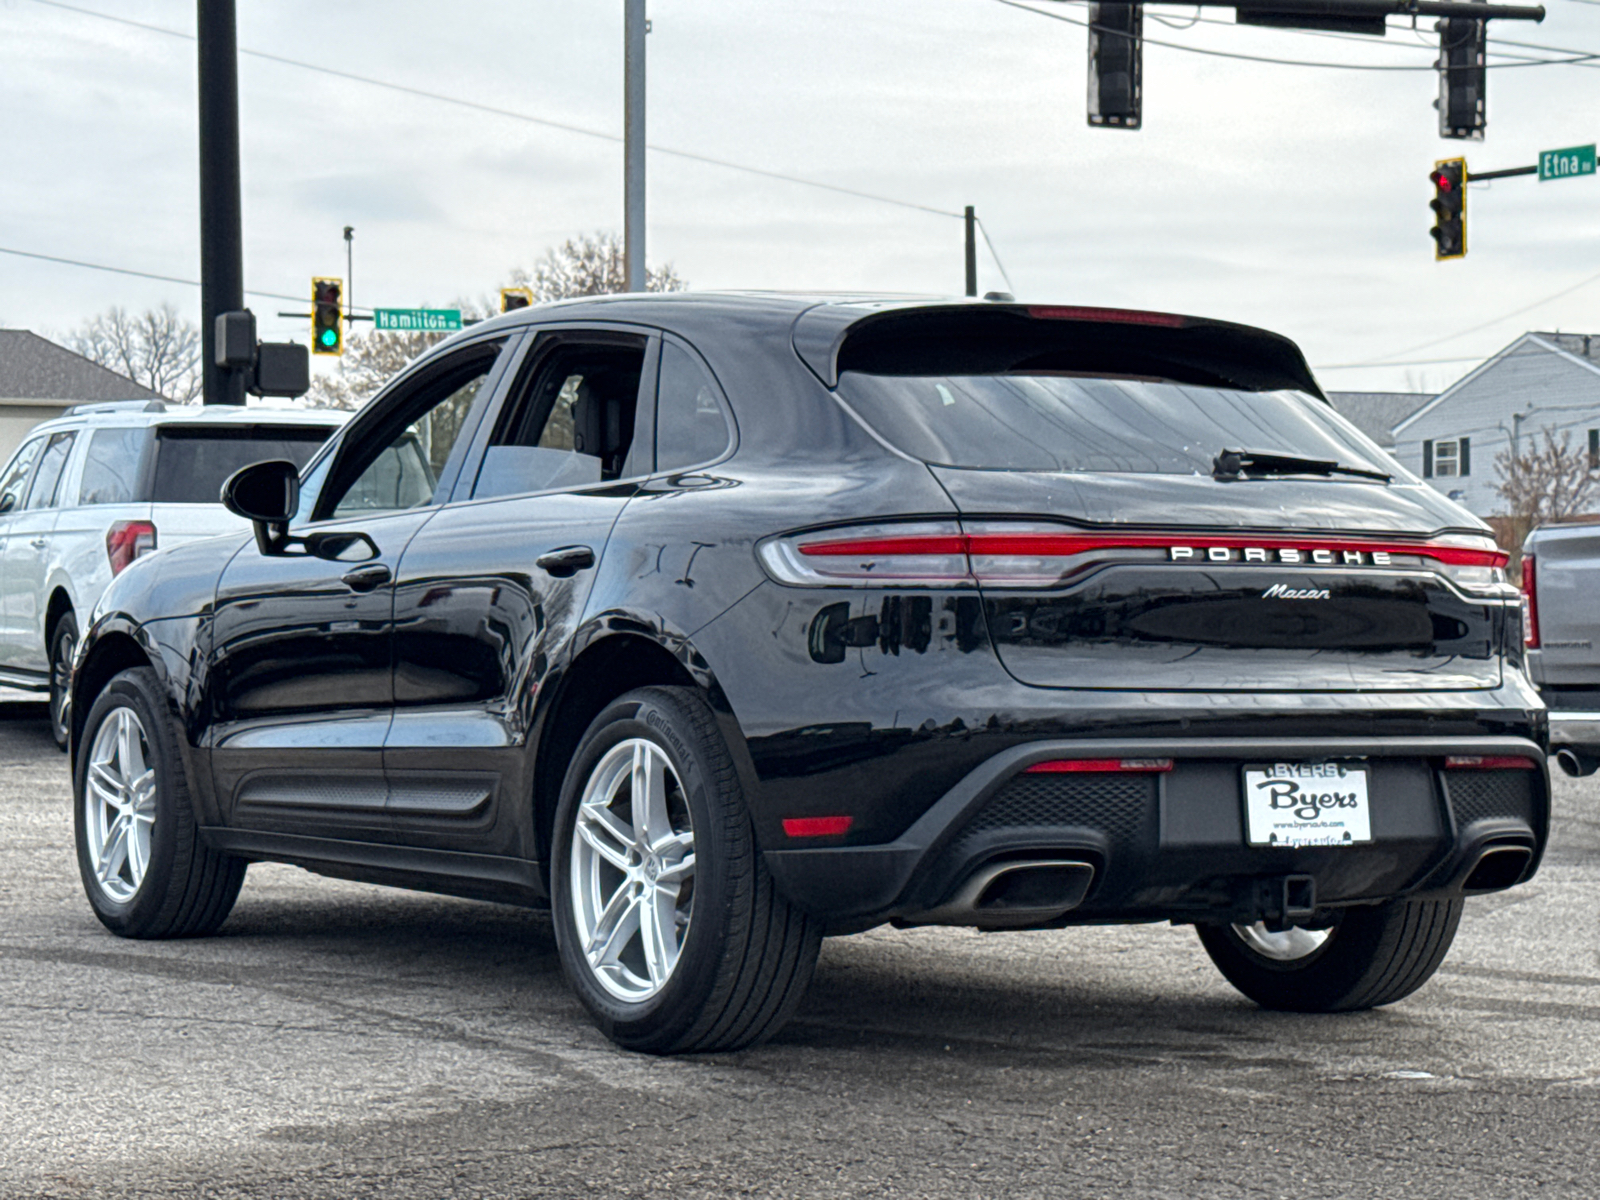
(221,236)
(972,251)
(634,28)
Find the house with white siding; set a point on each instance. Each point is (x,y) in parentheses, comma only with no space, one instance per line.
(1541,381)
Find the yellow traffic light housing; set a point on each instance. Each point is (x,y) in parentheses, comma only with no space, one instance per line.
(327,316)
(513,298)
(1449,206)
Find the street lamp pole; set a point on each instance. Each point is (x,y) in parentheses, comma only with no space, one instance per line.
(221,235)
(634,27)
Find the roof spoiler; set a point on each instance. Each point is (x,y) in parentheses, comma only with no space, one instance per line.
(967,338)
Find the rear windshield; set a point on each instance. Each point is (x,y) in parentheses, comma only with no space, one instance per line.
(1023,422)
(192,462)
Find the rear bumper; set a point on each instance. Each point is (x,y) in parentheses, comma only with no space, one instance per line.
(1176,849)
(1575,731)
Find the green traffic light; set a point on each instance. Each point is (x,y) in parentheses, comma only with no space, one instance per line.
(330,337)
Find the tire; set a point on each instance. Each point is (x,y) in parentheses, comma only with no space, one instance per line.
(159,880)
(63,641)
(744,956)
(1372,956)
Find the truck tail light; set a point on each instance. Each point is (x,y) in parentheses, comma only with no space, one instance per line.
(1530,605)
(126,541)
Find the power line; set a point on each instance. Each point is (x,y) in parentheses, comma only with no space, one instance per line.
(514,115)
(995,254)
(93,266)
(1410,362)
(1578,58)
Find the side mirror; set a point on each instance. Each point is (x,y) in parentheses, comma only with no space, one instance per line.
(267,494)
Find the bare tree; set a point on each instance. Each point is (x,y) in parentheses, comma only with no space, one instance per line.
(589,265)
(1551,481)
(157,349)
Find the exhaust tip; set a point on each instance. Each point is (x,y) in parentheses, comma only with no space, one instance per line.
(1575,764)
(1014,892)
(1498,868)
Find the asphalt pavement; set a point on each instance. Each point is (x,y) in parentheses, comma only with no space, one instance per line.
(340,1040)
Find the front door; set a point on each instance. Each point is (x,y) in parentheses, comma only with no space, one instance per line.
(13,493)
(302,677)
(495,584)
(27,552)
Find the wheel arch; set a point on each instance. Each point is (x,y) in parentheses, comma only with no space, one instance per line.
(114,647)
(609,666)
(59,604)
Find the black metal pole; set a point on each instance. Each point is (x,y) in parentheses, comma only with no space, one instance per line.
(1474,176)
(972,251)
(221,234)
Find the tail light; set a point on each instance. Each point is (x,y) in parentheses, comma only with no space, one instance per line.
(1489,762)
(1011,554)
(1530,605)
(126,541)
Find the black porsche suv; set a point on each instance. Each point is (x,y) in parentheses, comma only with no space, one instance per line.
(721,623)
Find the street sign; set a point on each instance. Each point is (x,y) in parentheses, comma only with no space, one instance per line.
(411,320)
(1566,164)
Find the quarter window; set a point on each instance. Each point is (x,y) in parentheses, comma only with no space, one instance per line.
(111,466)
(690,425)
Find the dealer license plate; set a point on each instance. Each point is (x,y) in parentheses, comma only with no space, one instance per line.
(1306,804)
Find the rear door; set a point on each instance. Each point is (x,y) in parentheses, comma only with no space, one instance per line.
(302,660)
(494,585)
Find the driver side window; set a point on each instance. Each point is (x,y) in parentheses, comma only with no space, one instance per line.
(399,462)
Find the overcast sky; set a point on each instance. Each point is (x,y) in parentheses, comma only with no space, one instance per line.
(1290,197)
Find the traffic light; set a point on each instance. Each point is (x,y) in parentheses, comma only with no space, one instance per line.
(1449,206)
(513,298)
(327,316)
(1463,78)
(1116,52)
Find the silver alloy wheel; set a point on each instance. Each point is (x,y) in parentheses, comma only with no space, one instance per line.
(61,685)
(632,870)
(119,804)
(1291,944)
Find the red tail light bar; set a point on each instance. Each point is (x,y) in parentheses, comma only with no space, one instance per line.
(1062,766)
(946,554)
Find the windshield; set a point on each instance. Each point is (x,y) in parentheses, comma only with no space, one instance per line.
(1069,423)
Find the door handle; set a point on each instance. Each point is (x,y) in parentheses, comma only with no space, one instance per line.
(364,579)
(38,543)
(568,560)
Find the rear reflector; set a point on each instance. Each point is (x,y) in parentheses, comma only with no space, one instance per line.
(1489,762)
(1063,765)
(802,827)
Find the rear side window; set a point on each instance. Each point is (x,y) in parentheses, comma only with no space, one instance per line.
(47,480)
(690,426)
(111,466)
(1051,422)
(192,462)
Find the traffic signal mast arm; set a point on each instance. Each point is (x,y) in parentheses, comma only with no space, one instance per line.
(1374,8)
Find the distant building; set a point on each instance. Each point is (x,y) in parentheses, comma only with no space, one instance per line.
(1377,413)
(40,380)
(1540,381)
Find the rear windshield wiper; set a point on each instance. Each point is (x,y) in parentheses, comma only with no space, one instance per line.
(1234,464)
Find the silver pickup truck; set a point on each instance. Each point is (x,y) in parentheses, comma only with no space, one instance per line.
(1561,590)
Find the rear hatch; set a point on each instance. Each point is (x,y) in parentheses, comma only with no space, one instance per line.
(1118,546)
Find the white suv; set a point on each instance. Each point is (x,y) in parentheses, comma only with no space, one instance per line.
(92,490)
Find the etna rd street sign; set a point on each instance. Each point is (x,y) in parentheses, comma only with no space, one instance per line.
(411,320)
(1566,164)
